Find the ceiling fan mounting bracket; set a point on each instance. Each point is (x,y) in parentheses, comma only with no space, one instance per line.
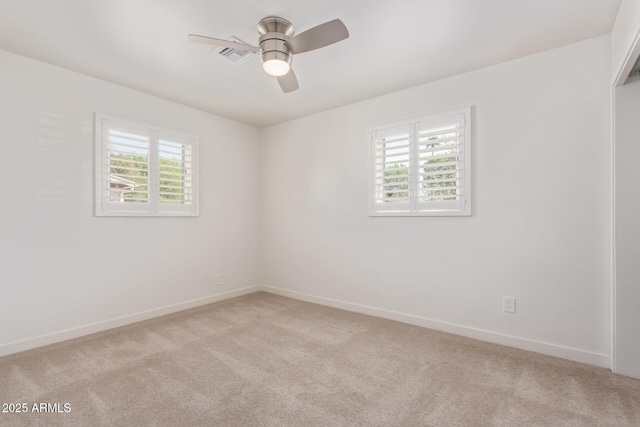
(275,24)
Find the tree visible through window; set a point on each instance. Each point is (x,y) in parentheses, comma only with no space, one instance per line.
(440,168)
(176,162)
(128,166)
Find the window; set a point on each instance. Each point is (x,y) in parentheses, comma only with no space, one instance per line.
(143,170)
(422,167)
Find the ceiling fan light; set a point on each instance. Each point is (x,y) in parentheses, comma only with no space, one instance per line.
(276,67)
(275,62)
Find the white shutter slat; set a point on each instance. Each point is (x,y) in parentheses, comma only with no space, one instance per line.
(131,135)
(426,134)
(118,154)
(143,148)
(439,199)
(441,172)
(396,162)
(174,144)
(142,180)
(113,159)
(178,168)
(113,167)
(382,192)
(440,187)
(183,152)
(382,141)
(136,192)
(396,184)
(400,169)
(181,162)
(438,181)
(170,193)
(435,194)
(391,145)
(392,183)
(427,160)
(452,148)
(182,189)
(140,202)
(395,200)
(430,166)
(184,180)
(427,142)
(385,157)
(167,174)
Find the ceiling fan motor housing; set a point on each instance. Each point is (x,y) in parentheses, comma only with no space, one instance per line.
(274,33)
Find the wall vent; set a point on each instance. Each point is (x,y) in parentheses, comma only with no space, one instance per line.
(234,55)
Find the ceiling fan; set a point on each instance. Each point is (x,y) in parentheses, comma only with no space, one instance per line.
(277,44)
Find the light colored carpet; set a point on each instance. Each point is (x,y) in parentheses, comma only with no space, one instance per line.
(266,360)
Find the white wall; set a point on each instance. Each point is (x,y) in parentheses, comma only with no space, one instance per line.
(539,231)
(627,173)
(62,268)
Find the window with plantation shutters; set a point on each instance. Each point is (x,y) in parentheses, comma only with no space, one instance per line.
(422,167)
(143,170)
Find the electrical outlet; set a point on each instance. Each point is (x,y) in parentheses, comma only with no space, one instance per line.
(509,304)
(218,279)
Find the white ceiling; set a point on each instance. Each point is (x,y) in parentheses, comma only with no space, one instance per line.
(394,44)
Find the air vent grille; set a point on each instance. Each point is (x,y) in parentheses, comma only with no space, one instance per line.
(234,55)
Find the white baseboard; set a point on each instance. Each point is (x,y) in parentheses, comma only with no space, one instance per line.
(577,355)
(574,354)
(28,344)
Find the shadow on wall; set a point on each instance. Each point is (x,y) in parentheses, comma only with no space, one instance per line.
(51,137)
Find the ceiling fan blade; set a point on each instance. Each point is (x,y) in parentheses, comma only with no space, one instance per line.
(323,35)
(288,82)
(222,43)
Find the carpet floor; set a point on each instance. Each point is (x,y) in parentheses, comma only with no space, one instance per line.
(267,360)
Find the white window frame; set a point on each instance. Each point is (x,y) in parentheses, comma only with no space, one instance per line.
(104,207)
(414,207)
